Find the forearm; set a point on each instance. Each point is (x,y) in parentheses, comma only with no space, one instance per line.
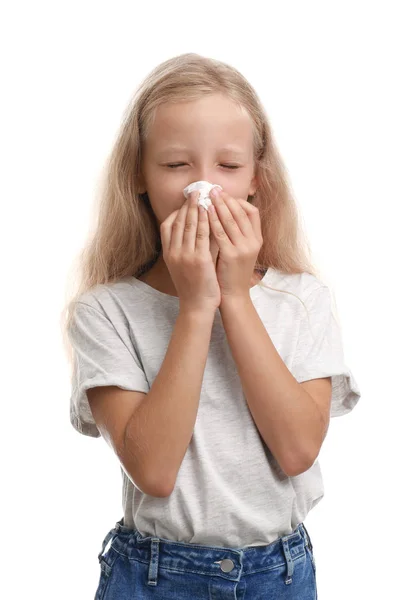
(159,431)
(288,419)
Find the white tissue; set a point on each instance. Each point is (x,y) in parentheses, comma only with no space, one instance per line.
(204,188)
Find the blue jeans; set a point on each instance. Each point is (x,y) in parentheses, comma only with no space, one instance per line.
(139,568)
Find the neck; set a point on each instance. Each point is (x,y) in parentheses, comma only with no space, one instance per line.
(159,277)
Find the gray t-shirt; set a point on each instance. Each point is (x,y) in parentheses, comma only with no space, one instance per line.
(230,491)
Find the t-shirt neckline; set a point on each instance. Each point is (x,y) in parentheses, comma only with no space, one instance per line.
(145,287)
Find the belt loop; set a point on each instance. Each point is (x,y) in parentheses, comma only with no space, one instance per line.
(308,540)
(119,525)
(108,536)
(290,563)
(154,562)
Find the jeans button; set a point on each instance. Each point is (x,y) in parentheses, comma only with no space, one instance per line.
(226,565)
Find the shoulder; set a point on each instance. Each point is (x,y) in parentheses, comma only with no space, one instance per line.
(108,304)
(301,284)
(105,295)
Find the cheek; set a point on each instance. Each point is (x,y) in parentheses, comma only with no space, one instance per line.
(164,203)
(237,190)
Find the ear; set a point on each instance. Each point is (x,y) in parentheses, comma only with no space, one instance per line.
(141,185)
(253,186)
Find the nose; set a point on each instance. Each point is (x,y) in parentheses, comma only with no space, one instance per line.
(203,187)
(204,175)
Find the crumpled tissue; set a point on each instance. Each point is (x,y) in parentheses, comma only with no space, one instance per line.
(204,188)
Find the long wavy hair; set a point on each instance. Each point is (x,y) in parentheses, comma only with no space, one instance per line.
(125,238)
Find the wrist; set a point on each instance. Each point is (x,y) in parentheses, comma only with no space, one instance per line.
(235,301)
(200,313)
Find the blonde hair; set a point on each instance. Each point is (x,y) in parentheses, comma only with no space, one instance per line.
(125,240)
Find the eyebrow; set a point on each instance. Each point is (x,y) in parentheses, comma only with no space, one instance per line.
(176,148)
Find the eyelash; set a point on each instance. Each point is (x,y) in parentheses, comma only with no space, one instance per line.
(233,167)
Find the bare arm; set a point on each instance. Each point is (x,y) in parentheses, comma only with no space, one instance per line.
(158,433)
(288,418)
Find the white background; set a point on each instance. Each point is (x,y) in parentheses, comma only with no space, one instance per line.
(336,80)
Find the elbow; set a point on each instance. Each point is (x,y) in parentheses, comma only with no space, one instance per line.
(165,494)
(138,472)
(299,465)
(158,493)
(146,484)
(157,489)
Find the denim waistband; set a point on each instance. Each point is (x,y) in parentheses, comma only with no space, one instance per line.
(208,560)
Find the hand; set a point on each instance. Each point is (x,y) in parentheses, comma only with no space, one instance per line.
(236,227)
(186,252)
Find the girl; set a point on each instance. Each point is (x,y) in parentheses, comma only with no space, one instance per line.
(205,349)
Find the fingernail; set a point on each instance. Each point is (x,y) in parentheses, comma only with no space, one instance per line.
(214,192)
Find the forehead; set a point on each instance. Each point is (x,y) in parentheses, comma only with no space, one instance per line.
(212,121)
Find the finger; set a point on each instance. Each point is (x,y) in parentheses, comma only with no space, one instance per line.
(226,220)
(191,223)
(166,228)
(178,225)
(239,214)
(218,230)
(202,235)
(254,217)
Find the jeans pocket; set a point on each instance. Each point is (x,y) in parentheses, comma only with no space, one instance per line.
(106,566)
(103,581)
(311,554)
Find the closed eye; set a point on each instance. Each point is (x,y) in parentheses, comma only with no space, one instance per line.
(181,164)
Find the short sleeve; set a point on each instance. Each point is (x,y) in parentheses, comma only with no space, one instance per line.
(101,357)
(320,353)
